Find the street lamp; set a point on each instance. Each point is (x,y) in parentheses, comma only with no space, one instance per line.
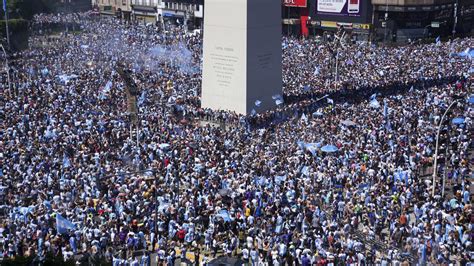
(7,67)
(338,44)
(455,17)
(435,167)
(386,20)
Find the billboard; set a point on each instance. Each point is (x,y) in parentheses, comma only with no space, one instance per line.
(351,8)
(295,3)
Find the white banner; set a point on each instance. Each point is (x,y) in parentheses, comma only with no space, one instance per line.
(331,6)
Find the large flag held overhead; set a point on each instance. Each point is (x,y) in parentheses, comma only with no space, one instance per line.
(304,118)
(224,214)
(63,225)
(373,101)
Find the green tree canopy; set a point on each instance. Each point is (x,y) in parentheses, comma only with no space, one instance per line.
(27,8)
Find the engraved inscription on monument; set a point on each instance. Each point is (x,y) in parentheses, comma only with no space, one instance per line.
(264,60)
(241,54)
(223,64)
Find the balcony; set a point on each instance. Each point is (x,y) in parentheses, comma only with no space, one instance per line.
(148,3)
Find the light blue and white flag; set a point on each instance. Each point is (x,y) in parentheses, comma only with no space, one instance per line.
(278,99)
(280,179)
(316,71)
(373,101)
(373,97)
(108,86)
(47,204)
(224,214)
(66,161)
(142,98)
(305,170)
(304,118)
(45,70)
(63,225)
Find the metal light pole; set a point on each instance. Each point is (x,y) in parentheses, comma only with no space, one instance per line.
(455,17)
(288,8)
(339,44)
(435,167)
(386,21)
(155,194)
(5,8)
(7,68)
(337,61)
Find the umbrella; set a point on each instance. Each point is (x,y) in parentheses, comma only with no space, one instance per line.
(164,146)
(471,99)
(329,148)
(163,207)
(224,191)
(226,261)
(183,261)
(279,179)
(458,120)
(348,123)
(317,114)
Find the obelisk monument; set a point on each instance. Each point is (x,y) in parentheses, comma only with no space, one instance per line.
(242,55)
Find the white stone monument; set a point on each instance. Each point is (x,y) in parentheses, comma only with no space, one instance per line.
(242,55)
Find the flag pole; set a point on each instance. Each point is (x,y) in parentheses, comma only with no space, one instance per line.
(6,22)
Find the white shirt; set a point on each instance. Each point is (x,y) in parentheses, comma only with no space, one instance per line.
(245,253)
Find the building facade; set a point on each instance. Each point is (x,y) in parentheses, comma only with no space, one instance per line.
(119,8)
(314,17)
(400,20)
(67,6)
(189,13)
(295,16)
(144,11)
(381,20)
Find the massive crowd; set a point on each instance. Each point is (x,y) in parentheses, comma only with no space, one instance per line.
(78,180)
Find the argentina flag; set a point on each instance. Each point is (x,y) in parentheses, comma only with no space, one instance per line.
(63,225)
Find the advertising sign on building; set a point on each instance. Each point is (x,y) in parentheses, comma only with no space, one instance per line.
(339,7)
(295,3)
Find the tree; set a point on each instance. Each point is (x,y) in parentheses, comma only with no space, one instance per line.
(26,9)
